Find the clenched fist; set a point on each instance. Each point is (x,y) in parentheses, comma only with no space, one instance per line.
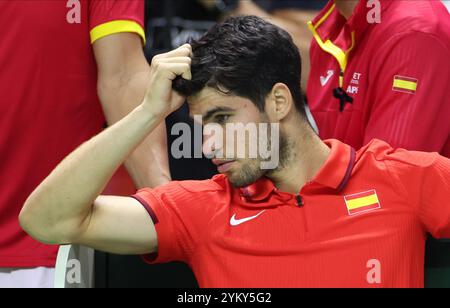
(160,99)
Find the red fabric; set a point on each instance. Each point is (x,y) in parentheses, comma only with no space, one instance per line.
(48,104)
(103,11)
(318,245)
(412,41)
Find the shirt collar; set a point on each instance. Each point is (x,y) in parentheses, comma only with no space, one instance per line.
(336,171)
(331,25)
(335,174)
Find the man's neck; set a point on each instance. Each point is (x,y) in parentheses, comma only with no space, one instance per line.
(346,7)
(307,155)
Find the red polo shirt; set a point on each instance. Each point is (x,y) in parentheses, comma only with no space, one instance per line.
(397,72)
(362,222)
(48,99)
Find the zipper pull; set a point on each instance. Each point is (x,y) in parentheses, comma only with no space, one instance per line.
(299,200)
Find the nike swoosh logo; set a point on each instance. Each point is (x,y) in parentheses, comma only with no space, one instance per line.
(236,222)
(324,80)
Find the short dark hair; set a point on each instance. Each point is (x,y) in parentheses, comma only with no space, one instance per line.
(245,56)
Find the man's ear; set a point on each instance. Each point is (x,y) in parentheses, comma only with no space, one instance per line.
(279,103)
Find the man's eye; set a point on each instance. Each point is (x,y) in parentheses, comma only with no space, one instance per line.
(220,119)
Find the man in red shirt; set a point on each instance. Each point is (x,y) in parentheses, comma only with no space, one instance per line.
(59,60)
(391,60)
(325,216)
(381,69)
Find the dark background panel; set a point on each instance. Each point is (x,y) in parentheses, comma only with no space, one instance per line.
(131,272)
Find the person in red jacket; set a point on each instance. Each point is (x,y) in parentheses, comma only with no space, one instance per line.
(65,66)
(381,69)
(325,216)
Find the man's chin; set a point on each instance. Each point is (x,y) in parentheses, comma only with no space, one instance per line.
(240,184)
(238,181)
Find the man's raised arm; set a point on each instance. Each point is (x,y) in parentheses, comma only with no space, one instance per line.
(66,207)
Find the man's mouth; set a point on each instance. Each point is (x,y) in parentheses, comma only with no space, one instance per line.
(223,166)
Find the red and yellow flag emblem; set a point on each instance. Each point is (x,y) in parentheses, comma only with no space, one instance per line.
(405,84)
(362,202)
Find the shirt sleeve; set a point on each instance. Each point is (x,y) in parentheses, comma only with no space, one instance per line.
(408,96)
(180,212)
(107,17)
(425,180)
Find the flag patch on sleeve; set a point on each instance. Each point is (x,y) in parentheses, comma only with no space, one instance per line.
(405,84)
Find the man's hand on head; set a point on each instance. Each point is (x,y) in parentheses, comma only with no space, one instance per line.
(160,99)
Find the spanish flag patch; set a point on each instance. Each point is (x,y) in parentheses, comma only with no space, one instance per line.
(405,84)
(362,202)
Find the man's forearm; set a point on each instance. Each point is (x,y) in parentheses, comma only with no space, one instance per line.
(64,200)
(148,164)
(123,77)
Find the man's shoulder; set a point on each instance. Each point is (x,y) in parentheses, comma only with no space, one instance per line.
(404,18)
(216,184)
(381,152)
(196,192)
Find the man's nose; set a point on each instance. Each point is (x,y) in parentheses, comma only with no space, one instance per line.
(212,144)
(209,147)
